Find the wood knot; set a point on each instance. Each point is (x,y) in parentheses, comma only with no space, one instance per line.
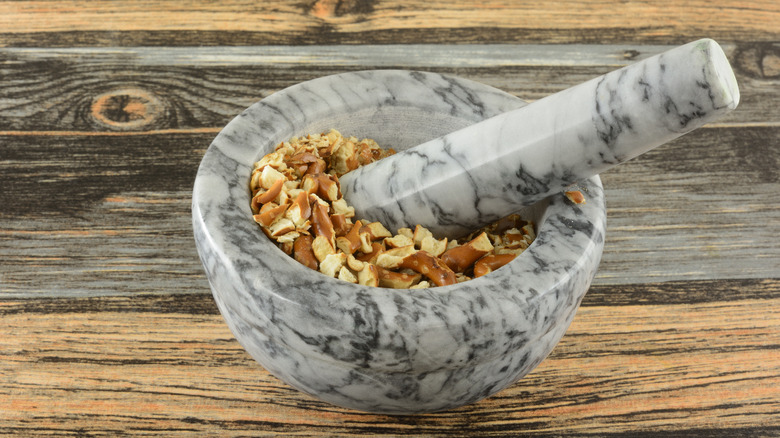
(127,108)
(770,65)
(759,60)
(630,54)
(338,8)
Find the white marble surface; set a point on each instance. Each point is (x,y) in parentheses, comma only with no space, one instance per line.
(376,349)
(476,175)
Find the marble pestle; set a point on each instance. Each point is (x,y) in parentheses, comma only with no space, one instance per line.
(476,175)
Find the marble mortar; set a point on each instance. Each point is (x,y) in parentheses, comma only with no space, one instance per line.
(375,349)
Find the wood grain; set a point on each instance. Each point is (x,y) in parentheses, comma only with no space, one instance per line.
(146,89)
(111,139)
(109,214)
(130,366)
(144,23)
(88,215)
(108,327)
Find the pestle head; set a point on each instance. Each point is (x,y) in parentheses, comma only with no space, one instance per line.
(474,176)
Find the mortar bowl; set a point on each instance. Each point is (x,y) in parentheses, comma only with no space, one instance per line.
(390,351)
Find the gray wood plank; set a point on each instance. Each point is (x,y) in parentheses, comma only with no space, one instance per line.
(380,56)
(195,88)
(105,215)
(704,206)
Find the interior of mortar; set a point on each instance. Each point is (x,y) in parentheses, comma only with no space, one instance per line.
(397,127)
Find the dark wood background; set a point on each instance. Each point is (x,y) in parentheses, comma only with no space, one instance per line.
(107,325)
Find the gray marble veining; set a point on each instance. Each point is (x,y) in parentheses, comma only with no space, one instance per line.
(478,174)
(376,349)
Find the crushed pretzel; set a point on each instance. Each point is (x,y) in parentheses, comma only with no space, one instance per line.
(575,196)
(297,202)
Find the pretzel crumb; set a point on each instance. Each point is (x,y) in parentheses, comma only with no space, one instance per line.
(297,202)
(575,196)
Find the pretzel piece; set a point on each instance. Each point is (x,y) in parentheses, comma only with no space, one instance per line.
(394,257)
(431,267)
(303,252)
(321,223)
(462,257)
(396,280)
(269,213)
(300,210)
(491,262)
(369,275)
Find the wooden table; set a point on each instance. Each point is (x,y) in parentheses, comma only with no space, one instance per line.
(108,326)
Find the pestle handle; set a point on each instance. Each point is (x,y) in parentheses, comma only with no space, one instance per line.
(474,176)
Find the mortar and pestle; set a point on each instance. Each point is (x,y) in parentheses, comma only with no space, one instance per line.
(468,154)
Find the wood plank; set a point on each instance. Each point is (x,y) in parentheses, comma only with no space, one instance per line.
(108,327)
(599,295)
(85,23)
(695,208)
(105,214)
(67,175)
(86,215)
(146,89)
(132,366)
